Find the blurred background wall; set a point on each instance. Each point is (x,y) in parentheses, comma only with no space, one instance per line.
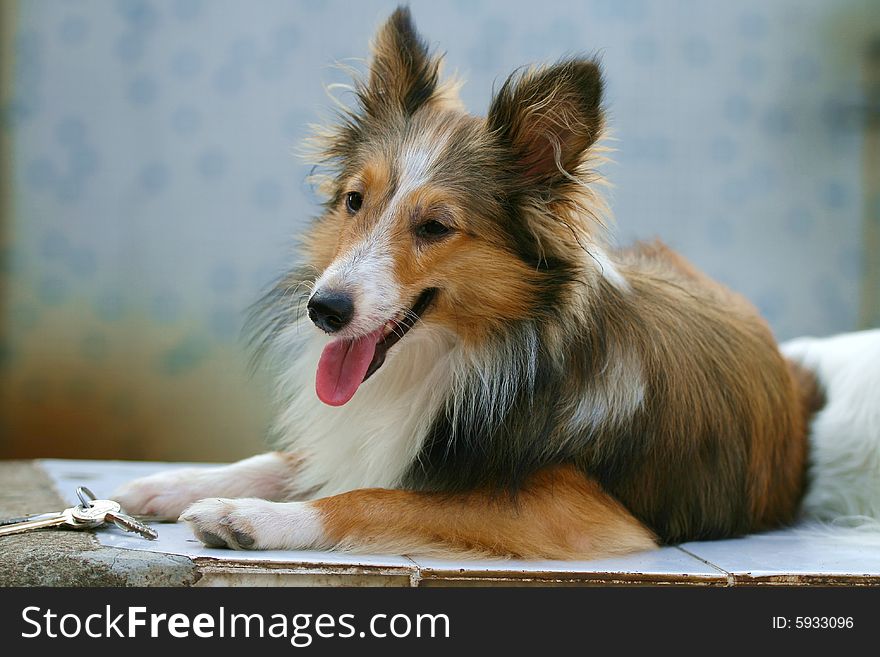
(150,186)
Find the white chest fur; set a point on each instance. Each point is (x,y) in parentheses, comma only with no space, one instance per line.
(373,439)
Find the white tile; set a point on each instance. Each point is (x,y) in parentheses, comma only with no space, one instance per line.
(795,551)
(667,561)
(176,538)
(102,477)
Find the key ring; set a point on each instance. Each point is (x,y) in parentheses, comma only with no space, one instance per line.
(86,496)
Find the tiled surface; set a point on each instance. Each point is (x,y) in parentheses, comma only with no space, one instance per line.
(666,561)
(663,565)
(795,555)
(103,477)
(796,552)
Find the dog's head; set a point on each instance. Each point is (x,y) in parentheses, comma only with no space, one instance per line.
(437,216)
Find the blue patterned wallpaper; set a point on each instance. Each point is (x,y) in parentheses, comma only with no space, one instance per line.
(156,187)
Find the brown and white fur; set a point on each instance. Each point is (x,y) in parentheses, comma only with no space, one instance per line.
(554,398)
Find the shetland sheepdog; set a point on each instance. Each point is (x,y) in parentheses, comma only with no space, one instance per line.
(465,366)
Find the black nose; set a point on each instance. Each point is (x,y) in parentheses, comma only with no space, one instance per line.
(331,310)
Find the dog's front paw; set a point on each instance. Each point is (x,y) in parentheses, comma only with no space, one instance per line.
(164,494)
(252,524)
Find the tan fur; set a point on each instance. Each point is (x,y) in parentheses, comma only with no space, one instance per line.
(684,318)
(558,514)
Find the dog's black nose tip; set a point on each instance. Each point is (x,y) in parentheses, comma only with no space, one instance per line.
(331,311)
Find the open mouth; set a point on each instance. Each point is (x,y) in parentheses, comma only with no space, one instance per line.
(346,363)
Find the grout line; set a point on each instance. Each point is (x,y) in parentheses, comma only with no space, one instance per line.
(730,578)
(416,576)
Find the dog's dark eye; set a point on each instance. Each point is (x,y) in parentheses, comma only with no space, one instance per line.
(432,230)
(353,201)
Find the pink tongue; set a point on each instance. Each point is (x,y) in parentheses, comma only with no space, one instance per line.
(342,367)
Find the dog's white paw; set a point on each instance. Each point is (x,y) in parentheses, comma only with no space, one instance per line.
(165,494)
(252,524)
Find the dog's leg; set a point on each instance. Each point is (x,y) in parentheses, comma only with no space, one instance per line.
(166,494)
(558,514)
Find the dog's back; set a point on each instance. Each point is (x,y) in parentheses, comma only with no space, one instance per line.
(718,447)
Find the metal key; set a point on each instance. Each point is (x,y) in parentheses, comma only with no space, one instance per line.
(91,509)
(43,520)
(97,511)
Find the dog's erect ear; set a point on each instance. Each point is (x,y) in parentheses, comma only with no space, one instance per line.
(403,74)
(549,117)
